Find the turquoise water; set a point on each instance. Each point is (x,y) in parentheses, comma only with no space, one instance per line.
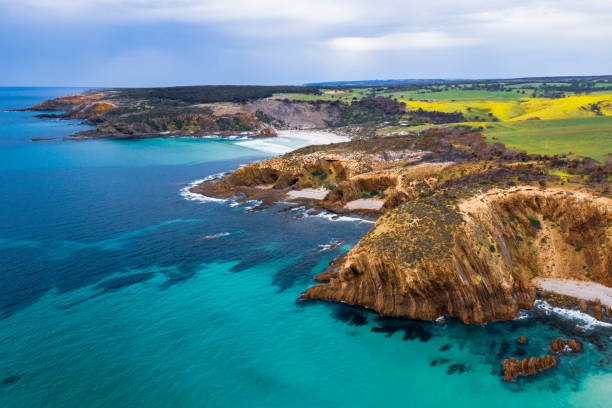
(116,291)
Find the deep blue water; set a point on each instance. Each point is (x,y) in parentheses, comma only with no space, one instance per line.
(117,291)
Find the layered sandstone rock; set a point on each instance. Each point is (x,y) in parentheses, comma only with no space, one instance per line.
(512,368)
(347,174)
(473,260)
(458,236)
(559,345)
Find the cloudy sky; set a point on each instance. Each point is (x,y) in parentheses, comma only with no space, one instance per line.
(179,42)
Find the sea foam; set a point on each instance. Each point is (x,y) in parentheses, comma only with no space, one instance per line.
(186,193)
(586,321)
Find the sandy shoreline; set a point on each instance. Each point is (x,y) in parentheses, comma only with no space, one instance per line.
(364,204)
(313,193)
(288,140)
(582,290)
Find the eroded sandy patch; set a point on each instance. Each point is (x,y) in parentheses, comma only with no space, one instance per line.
(313,193)
(588,291)
(364,204)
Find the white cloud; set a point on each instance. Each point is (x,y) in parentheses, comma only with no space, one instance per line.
(398,41)
(320,11)
(352,25)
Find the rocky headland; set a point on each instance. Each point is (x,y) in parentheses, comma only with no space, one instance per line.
(209,110)
(463,228)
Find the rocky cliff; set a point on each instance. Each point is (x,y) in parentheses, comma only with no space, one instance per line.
(473,258)
(131,113)
(464,227)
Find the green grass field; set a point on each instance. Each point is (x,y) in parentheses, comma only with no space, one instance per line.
(576,135)
(590,137)
(450,95)
(457,95)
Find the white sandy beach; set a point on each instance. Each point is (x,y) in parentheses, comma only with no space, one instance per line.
(288,140)
(364,204)
(313,193)
(582,290)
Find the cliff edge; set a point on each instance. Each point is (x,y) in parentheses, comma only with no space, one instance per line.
(473,258)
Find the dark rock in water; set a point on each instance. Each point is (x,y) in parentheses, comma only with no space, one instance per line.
(512,368)
(412,330)
(351,316)
(455,369)
(123,281)
(42,139)
(445,347)
(522,340)
(420,333)
(519,352)
(11,379)
(504,348)
(554,387)
(439,361)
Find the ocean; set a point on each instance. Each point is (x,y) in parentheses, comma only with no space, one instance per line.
(119,289)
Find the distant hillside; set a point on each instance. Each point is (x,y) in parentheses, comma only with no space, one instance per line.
(377,82)
(432,81)
(211,93)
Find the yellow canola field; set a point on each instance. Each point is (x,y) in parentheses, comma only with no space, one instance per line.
(577,106)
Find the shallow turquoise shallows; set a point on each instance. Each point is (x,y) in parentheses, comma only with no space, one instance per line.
(117,289)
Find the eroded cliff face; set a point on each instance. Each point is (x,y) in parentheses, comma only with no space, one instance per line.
(473,258)
(388,170)
(343,176)
(465,228)
(120,113)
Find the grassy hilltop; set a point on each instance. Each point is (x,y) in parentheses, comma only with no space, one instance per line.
(571,115)
(563,116)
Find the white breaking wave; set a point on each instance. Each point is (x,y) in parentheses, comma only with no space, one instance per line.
(217,235)
(288,140)
(189,196)
(587,321)
(335,217)
(522,314)
(265,146)
(255,204)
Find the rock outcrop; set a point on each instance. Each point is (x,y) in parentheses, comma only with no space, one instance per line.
(512,368)
(465,230)
(67,102)
(472,259)
(129,113)
(559,345)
